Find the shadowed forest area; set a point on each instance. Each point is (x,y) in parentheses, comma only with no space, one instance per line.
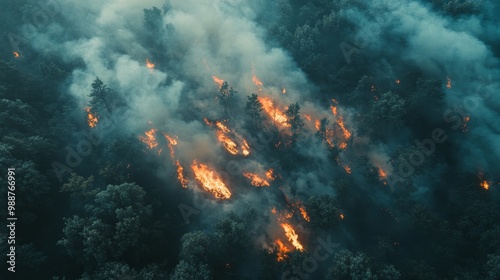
(232,139)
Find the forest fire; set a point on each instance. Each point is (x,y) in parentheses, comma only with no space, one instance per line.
(150,138)
(347,133)
(347,169)
(256,81)
(334,110)
(171,143)
(282,250)
(448,83)
(228,144)
(210,181)
(180,175)
(16,54)
(292,236)
(304,214)
(274,113)
(218,80)
(149,64)
(382,175)
(256,180)
(270,174)
(245,149)
(485,185)
(92,119)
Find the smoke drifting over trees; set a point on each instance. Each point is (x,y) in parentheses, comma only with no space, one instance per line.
(230,139)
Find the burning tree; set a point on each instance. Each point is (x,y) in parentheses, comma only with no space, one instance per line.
(253,108)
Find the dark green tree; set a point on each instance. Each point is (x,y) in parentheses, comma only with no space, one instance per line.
(225,97)
(253,108)
(294,120)
(102,96)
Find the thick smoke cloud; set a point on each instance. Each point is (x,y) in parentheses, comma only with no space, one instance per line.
(222,38)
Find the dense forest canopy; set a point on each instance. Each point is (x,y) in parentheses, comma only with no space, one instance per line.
(232,139)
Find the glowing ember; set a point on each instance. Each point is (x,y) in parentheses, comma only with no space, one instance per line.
(16,54)
(292,236)
(218,80)
(180,175)
(304,213)
(485,185)
(282,250)
(273,210)
(464,124)
(335,101)
(382,175)
(210,181)
(283,91)
(343,145)
(334,110)
(342,216)
(317,124)
(398,82)
(150,139)
(346,132)
(92,119)
(347,169)
(245,149)
(256,81)
(448,83)
(276,114)
(256,180)
(307,117)
(149,64)
(270,174)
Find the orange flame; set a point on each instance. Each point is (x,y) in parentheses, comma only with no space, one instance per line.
(292,236)
(343,145)
(276,114)
(317,124)
(171,143)
(448,83)
(180,175)
(307,117)
(270,174)
(283,91)
(342,216)
(256,180)
(256,81)
(485,185)
(210,181)
(334,110)
(347,169)
(218,80)
(92,119)
(16,54)
(245,149)
(347,133)
(282,250)
(304,213)
(228,144)
(150,139)
(149,64)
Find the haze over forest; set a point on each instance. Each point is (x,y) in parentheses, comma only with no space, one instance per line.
(231,139)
